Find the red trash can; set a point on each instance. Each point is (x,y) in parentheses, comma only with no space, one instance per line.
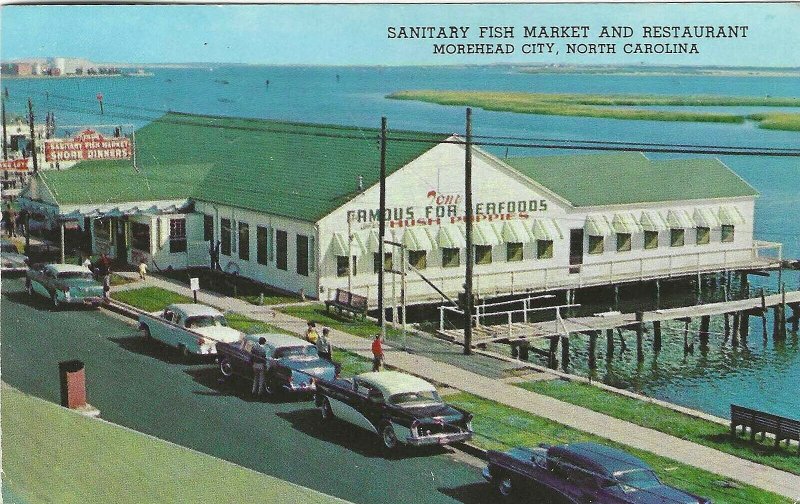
(73,384)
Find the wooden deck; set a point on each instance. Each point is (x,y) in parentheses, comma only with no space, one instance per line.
(534,330)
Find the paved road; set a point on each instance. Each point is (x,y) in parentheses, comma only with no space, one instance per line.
(144,387)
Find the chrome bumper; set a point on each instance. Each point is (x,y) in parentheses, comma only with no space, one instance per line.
(439,439)
(300,389)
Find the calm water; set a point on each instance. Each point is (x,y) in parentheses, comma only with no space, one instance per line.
(764,375)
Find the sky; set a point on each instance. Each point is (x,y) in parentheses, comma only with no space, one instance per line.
(357,34)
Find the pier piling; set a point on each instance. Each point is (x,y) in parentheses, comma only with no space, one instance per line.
(705,322)
(551,357)
(592,349)
(656,336)
(639,336)
(737,319)
(764,314)
(744,328)
(565,352)
(727,326)
(609,344)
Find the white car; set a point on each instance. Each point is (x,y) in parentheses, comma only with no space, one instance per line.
(12,260)
(191,328)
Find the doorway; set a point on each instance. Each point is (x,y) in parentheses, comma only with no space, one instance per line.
(575,250)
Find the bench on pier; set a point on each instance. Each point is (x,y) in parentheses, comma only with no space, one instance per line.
(758,421)
(347,301)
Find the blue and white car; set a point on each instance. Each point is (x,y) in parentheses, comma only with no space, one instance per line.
(64,284)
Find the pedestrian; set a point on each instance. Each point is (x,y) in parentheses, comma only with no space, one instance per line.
(87,262)
(143,270)
(311,333)
(12,220)
(104,270)
(324,345)
(106,287)
(258,355)
(377,353)
(6,217)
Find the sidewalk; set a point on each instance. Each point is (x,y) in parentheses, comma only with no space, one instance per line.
(767,478)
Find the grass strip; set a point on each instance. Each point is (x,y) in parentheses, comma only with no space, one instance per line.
(52,455)
(149,299)
(500,427)
(227,285)
(613,106)
(668,421)
(354,325)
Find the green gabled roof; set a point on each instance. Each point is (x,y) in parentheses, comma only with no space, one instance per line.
(627,178)
(297,170)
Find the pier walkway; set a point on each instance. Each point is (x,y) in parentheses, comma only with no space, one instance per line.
(577,417)
(612,320)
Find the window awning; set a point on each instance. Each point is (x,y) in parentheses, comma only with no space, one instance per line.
(367,240)
(416,238)
(546,229)
(451,236)
(679,219)
(597,225)
(705,217)
(339,245)
(730,216)
(485,233)
(514,231)
(625,222)
(653,221)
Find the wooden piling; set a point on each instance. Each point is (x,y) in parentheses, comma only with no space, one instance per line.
(744,285)
(565,352)
(744,328)
(737,319)
(764,314)
(776,323)
(656,336)
(705,322)
(795,316)
(686,347)
(616,297)
(592,349)
(551,358)
(658,293)
(609,344)
(727,326)
(639,336)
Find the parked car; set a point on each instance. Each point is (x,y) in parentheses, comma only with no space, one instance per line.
(12,260)
(400,408)
(191,328)
(580,473)
(64,284)
(292,364)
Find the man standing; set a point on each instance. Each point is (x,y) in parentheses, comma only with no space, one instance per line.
(10,217)
(259,357)
(324,345)
(377,353)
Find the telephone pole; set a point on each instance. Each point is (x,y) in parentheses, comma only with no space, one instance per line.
(5,147)
(468,209)
(382,228)
(33,136)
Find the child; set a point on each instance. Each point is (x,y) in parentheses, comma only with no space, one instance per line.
(143,270)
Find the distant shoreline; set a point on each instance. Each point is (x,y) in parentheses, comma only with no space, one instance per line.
(23,77)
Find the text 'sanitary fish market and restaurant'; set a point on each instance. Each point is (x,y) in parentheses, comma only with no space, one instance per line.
(295,206)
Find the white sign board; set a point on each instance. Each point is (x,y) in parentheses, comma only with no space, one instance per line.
(194,284)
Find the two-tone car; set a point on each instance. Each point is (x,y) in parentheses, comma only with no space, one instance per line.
(64,284)
(193,329)
(580,473)
(292,364)
(11,261)
(398,407)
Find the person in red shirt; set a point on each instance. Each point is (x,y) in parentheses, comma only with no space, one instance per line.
(377,353)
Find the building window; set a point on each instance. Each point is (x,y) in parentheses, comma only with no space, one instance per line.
(513,252)
(450,257)
(302,255)
(483,254)
(544,249)
(261,245)
(281,250)
(727,233)
(244,241)
(703,236)
(208,227)
(177,235)
(140,236)
(376,261)
(342,266)
(418,259)
(651,239)
(596,244)
(623,242)
(225,236)
(677,237)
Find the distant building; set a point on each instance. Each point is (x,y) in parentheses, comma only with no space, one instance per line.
(17,69)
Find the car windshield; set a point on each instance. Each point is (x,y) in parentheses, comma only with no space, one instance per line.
(637,479)
(9,248)
(206,321)
(416,398)
(296,352)
(83,275)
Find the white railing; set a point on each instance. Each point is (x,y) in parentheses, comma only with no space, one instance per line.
(480,312)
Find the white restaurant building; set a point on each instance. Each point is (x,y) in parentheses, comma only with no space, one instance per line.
(295,206)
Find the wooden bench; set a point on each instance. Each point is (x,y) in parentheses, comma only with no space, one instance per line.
(349,302)
(758,421)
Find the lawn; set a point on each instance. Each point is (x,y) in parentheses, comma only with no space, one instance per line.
(613,106)
(240,288)
(354,325)
(149,299)
(501,427)
(53,455)
(667,420)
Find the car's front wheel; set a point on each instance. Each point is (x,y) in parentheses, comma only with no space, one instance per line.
(389,437)
(504,485)
(225,367)
(146,333)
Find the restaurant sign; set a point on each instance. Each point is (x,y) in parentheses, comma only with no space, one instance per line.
(14,165)
(88,145)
